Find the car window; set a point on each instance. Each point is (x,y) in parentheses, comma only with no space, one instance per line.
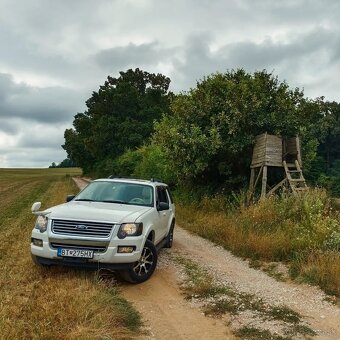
(161,195)
(117,192)
(169,194)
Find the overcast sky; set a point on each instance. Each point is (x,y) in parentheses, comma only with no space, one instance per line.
(54,53)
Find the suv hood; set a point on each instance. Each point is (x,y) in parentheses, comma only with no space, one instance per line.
(97,211)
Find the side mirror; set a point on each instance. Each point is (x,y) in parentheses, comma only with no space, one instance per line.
(35,207)
(162,206)
(70,198)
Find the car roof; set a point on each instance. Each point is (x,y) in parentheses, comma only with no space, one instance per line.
(152,182)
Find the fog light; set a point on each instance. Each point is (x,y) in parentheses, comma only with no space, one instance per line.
(126,249)
(37,242)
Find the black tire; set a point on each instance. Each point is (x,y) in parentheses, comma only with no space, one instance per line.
(170,236)
(144,268)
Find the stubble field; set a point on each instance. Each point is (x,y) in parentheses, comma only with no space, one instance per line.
(50,302)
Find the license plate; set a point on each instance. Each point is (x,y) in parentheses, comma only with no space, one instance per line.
(81,253)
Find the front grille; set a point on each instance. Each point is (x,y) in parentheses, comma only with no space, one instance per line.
(96,249)
(82,228)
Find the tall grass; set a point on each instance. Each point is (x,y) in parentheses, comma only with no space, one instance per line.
(58,303)
(303,231)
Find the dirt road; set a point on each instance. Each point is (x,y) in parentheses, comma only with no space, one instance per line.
(168,315)
(165,311)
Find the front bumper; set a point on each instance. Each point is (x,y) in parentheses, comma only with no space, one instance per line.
(82,263)
(110,258)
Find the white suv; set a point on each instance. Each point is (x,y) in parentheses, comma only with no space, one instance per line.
(113,223)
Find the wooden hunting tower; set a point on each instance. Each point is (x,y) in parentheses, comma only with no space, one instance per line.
(275,151)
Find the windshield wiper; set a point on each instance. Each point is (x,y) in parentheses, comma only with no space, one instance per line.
(85,200)
(114,201)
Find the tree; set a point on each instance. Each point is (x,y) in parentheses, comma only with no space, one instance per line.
(329,133)
(209,134)
(118,117)
(66,163)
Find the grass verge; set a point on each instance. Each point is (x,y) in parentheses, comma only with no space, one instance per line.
(303,232)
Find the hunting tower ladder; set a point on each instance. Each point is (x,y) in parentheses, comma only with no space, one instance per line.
(276,151)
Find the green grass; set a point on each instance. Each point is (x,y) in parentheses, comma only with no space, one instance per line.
(252,333)
(270,268)
(284,313)
(199,283)
(53,302)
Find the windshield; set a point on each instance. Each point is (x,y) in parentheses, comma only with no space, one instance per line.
(117,192)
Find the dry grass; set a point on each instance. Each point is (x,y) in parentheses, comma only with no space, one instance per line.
(302,232)
(50,302)
(226,231)
(320,268)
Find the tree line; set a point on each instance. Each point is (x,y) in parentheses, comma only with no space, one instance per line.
(203,138)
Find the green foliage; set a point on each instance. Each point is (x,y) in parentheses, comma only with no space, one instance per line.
(118,117)
(126,164)
(204,137)
(144,162)
(325,169)
(329,132)
(211,129)
(154,164)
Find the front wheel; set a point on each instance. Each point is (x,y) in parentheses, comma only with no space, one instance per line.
(144,268)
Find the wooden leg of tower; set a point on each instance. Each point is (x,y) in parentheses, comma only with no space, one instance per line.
(252,180)
(251,185)
(264,182)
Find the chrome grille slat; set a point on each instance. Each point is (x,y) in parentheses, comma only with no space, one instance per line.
(96,249)
(85,231)
(91,229)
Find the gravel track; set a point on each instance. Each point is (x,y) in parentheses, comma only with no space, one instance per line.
(168,315)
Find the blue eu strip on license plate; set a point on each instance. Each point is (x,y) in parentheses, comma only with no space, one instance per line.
(79,253)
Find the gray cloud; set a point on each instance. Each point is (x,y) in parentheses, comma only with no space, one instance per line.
(42,135)
(317,50)
(132,54)
(8,126)
(55,53)
(50,104)
(31,157)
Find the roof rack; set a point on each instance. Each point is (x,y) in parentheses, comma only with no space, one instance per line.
(153,179)
(122,177)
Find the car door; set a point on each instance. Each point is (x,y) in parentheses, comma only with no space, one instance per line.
(163,215)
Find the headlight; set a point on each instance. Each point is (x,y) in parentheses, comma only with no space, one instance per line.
(41,223)
(130,229)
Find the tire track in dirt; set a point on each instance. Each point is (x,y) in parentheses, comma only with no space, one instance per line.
(167,314)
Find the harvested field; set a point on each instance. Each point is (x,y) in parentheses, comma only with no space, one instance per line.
(50,302)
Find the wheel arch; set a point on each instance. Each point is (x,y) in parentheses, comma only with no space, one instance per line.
(151,236)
